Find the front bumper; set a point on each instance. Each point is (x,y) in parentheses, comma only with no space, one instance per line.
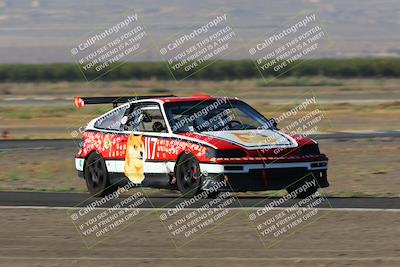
(258,177)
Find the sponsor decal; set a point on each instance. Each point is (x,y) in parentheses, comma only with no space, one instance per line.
(176,146)
(134,159)
(255,139)
(151,147)
(107,144)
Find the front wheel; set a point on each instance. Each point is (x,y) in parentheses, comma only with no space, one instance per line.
(188,175)
(96,176)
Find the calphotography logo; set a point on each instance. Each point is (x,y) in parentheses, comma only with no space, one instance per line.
(286,47)
(193,217)
(107,49)
(285,216)
(97,219)
(193,50)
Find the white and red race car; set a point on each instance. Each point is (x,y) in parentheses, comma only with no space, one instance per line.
(194,144)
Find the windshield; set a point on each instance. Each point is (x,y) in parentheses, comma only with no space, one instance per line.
(213,115)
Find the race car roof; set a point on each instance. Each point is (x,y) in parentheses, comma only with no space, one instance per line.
(195,97)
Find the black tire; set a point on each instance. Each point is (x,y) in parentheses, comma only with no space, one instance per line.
(188,175)
(96,176)
(213,194)
(303,194)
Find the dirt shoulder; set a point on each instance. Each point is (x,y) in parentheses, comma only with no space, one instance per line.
(48,237)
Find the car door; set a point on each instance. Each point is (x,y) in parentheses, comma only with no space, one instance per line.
(144,124)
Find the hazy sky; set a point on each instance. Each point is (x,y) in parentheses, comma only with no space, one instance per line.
(33,31)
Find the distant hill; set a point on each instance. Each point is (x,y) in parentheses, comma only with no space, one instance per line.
(44,31)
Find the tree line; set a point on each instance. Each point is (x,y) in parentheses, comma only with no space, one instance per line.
(219,70)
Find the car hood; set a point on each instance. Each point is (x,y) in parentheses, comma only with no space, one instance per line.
(254,139)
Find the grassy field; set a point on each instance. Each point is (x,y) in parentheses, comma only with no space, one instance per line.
(322,86)
(349,104)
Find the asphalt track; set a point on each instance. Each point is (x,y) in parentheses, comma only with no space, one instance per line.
(53,144)
(46,199)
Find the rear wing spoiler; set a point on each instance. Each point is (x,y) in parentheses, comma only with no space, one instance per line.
(115,100)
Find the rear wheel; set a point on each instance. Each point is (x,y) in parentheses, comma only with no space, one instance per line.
(188,175)
(213,194)
(96,176)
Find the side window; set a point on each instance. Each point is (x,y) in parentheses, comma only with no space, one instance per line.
(111,121)
(145,118)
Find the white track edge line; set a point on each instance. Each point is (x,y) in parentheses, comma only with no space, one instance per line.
(192,209)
